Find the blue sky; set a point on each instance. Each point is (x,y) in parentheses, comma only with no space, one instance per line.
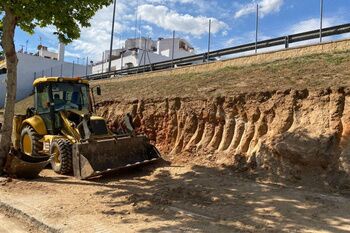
(233,23)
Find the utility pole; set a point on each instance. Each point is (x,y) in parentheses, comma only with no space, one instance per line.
(140,29)
(173,50)
(321,19)
(111,46)
(73,69)
(209,37)
(86,66)
(136,18)
(256,28)
(121,60)
(103,61)
(27,46)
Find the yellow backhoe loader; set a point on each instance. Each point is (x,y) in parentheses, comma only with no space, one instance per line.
(62,125)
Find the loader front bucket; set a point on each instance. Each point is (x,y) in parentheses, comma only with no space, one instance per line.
(96,157)
(21,165)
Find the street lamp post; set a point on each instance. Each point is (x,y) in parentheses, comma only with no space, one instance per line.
(172,52)
(321,19)
(256,28)
(209,40)
(111,45)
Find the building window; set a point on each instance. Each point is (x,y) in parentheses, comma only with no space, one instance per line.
(129,65)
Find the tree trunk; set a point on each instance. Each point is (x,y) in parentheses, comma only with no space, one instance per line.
(7,41)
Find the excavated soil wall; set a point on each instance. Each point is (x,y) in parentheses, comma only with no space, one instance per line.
(286,133)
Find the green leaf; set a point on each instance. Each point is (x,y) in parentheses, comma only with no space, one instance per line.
(67,16)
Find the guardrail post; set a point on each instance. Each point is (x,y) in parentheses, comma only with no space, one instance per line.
(286,43)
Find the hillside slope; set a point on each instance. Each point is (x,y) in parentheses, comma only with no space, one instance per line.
(312,71)
(288,118)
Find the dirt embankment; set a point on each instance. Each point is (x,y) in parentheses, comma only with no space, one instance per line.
(289,133)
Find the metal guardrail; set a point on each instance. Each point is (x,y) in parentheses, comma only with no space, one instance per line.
(283,40)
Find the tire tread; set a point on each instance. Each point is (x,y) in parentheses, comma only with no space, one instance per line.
(65,148)
(37,145)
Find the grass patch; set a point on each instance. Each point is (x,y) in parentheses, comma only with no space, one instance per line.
(300,72)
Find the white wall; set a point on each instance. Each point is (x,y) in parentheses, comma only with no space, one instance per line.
(163,53)
(134,59)
(31,67)
(153,57)
(165,48)
(115,64)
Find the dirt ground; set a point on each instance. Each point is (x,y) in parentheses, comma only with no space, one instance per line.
(9,224)
(178,198)
(187,197)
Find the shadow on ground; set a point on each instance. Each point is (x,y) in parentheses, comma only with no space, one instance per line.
(207,199)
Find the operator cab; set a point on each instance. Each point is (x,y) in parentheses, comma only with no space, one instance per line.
(63,96)
(54,95)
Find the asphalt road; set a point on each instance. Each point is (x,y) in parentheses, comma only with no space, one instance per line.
(12,225)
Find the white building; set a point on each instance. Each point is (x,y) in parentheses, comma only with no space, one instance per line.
(144,51)
(42,63)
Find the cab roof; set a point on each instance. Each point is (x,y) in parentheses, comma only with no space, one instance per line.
(58,80)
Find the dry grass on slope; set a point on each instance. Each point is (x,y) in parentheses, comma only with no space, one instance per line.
(312,72)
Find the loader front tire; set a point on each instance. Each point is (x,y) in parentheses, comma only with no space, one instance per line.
(61,152)
(30,142)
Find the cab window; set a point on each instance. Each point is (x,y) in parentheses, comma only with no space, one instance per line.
(42,99)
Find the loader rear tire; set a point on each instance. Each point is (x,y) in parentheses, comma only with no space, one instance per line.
(30,142)
(61,162)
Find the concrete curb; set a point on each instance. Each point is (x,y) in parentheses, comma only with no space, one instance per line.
(17,213)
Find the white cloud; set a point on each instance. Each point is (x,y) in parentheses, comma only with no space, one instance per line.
(95,39)
(172,1)
(73,55)
(245,38)
(231,42)
(182,1)
(265,7)
(148,29)
(313,24)
(168,19)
